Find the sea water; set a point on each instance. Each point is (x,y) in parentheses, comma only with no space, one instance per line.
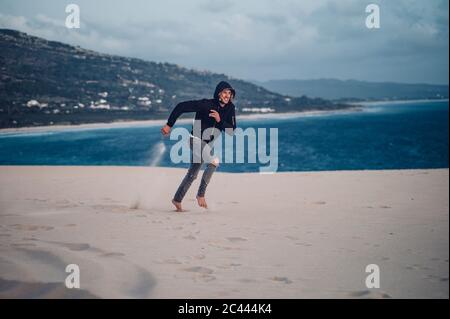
(389,135)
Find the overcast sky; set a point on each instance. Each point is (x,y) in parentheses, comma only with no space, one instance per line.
(256,39)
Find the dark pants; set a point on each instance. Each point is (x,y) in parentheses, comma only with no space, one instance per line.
(196,163)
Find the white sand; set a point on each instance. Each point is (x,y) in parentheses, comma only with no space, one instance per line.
(286,235)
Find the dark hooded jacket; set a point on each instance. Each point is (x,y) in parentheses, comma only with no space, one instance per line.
(202,109)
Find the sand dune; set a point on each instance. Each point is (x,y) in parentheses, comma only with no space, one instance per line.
(286,235)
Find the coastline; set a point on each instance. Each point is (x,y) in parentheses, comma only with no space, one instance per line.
(124,123)
(357,107)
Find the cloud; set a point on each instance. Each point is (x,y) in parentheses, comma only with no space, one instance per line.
(261,39)
(216,6)
(53,29)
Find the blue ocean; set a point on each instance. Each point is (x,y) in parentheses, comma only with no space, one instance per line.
(394,135)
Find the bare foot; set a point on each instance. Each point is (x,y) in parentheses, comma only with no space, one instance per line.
(201,202)
(177,205)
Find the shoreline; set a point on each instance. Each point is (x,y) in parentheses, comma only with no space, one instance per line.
(356,107)
(183,169)
(124,123)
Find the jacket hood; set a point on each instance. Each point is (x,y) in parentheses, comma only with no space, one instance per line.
(222,86)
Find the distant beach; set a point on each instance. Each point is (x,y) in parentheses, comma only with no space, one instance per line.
(358,106)
(119,124)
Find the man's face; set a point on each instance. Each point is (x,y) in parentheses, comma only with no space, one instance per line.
(225,96)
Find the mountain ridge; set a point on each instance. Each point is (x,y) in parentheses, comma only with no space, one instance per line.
(347,90)
(46,82)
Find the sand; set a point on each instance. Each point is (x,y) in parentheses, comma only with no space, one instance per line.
(284,235)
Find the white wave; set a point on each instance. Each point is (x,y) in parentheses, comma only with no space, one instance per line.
(396,102)
(373,109)
(24,134)
(157,153)
(290,115)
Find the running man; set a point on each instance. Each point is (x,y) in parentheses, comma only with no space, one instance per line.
(218,113)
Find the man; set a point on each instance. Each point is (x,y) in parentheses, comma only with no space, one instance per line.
(217,113)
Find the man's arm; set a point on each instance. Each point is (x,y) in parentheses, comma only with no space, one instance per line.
(183,107)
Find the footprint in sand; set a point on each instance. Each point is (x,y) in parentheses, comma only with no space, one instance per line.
(292,237)
(170,261)
(281,279)
(248,281)
(321,202)
(199,257)
(221,246)
(23,245)
(200,270)
(31,227)
(207,277)
(303,244)
(203,273)
(112,254)
(369,294)
(384,206)
(236,239)
(73,246)
(121,209)
(64,204)
(70,246)
(39,200)
(435,259)
(224,267)
(414,267)
(190,237)
(135,205)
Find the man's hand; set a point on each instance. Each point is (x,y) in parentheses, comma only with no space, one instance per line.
(165,130)
(215,114)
